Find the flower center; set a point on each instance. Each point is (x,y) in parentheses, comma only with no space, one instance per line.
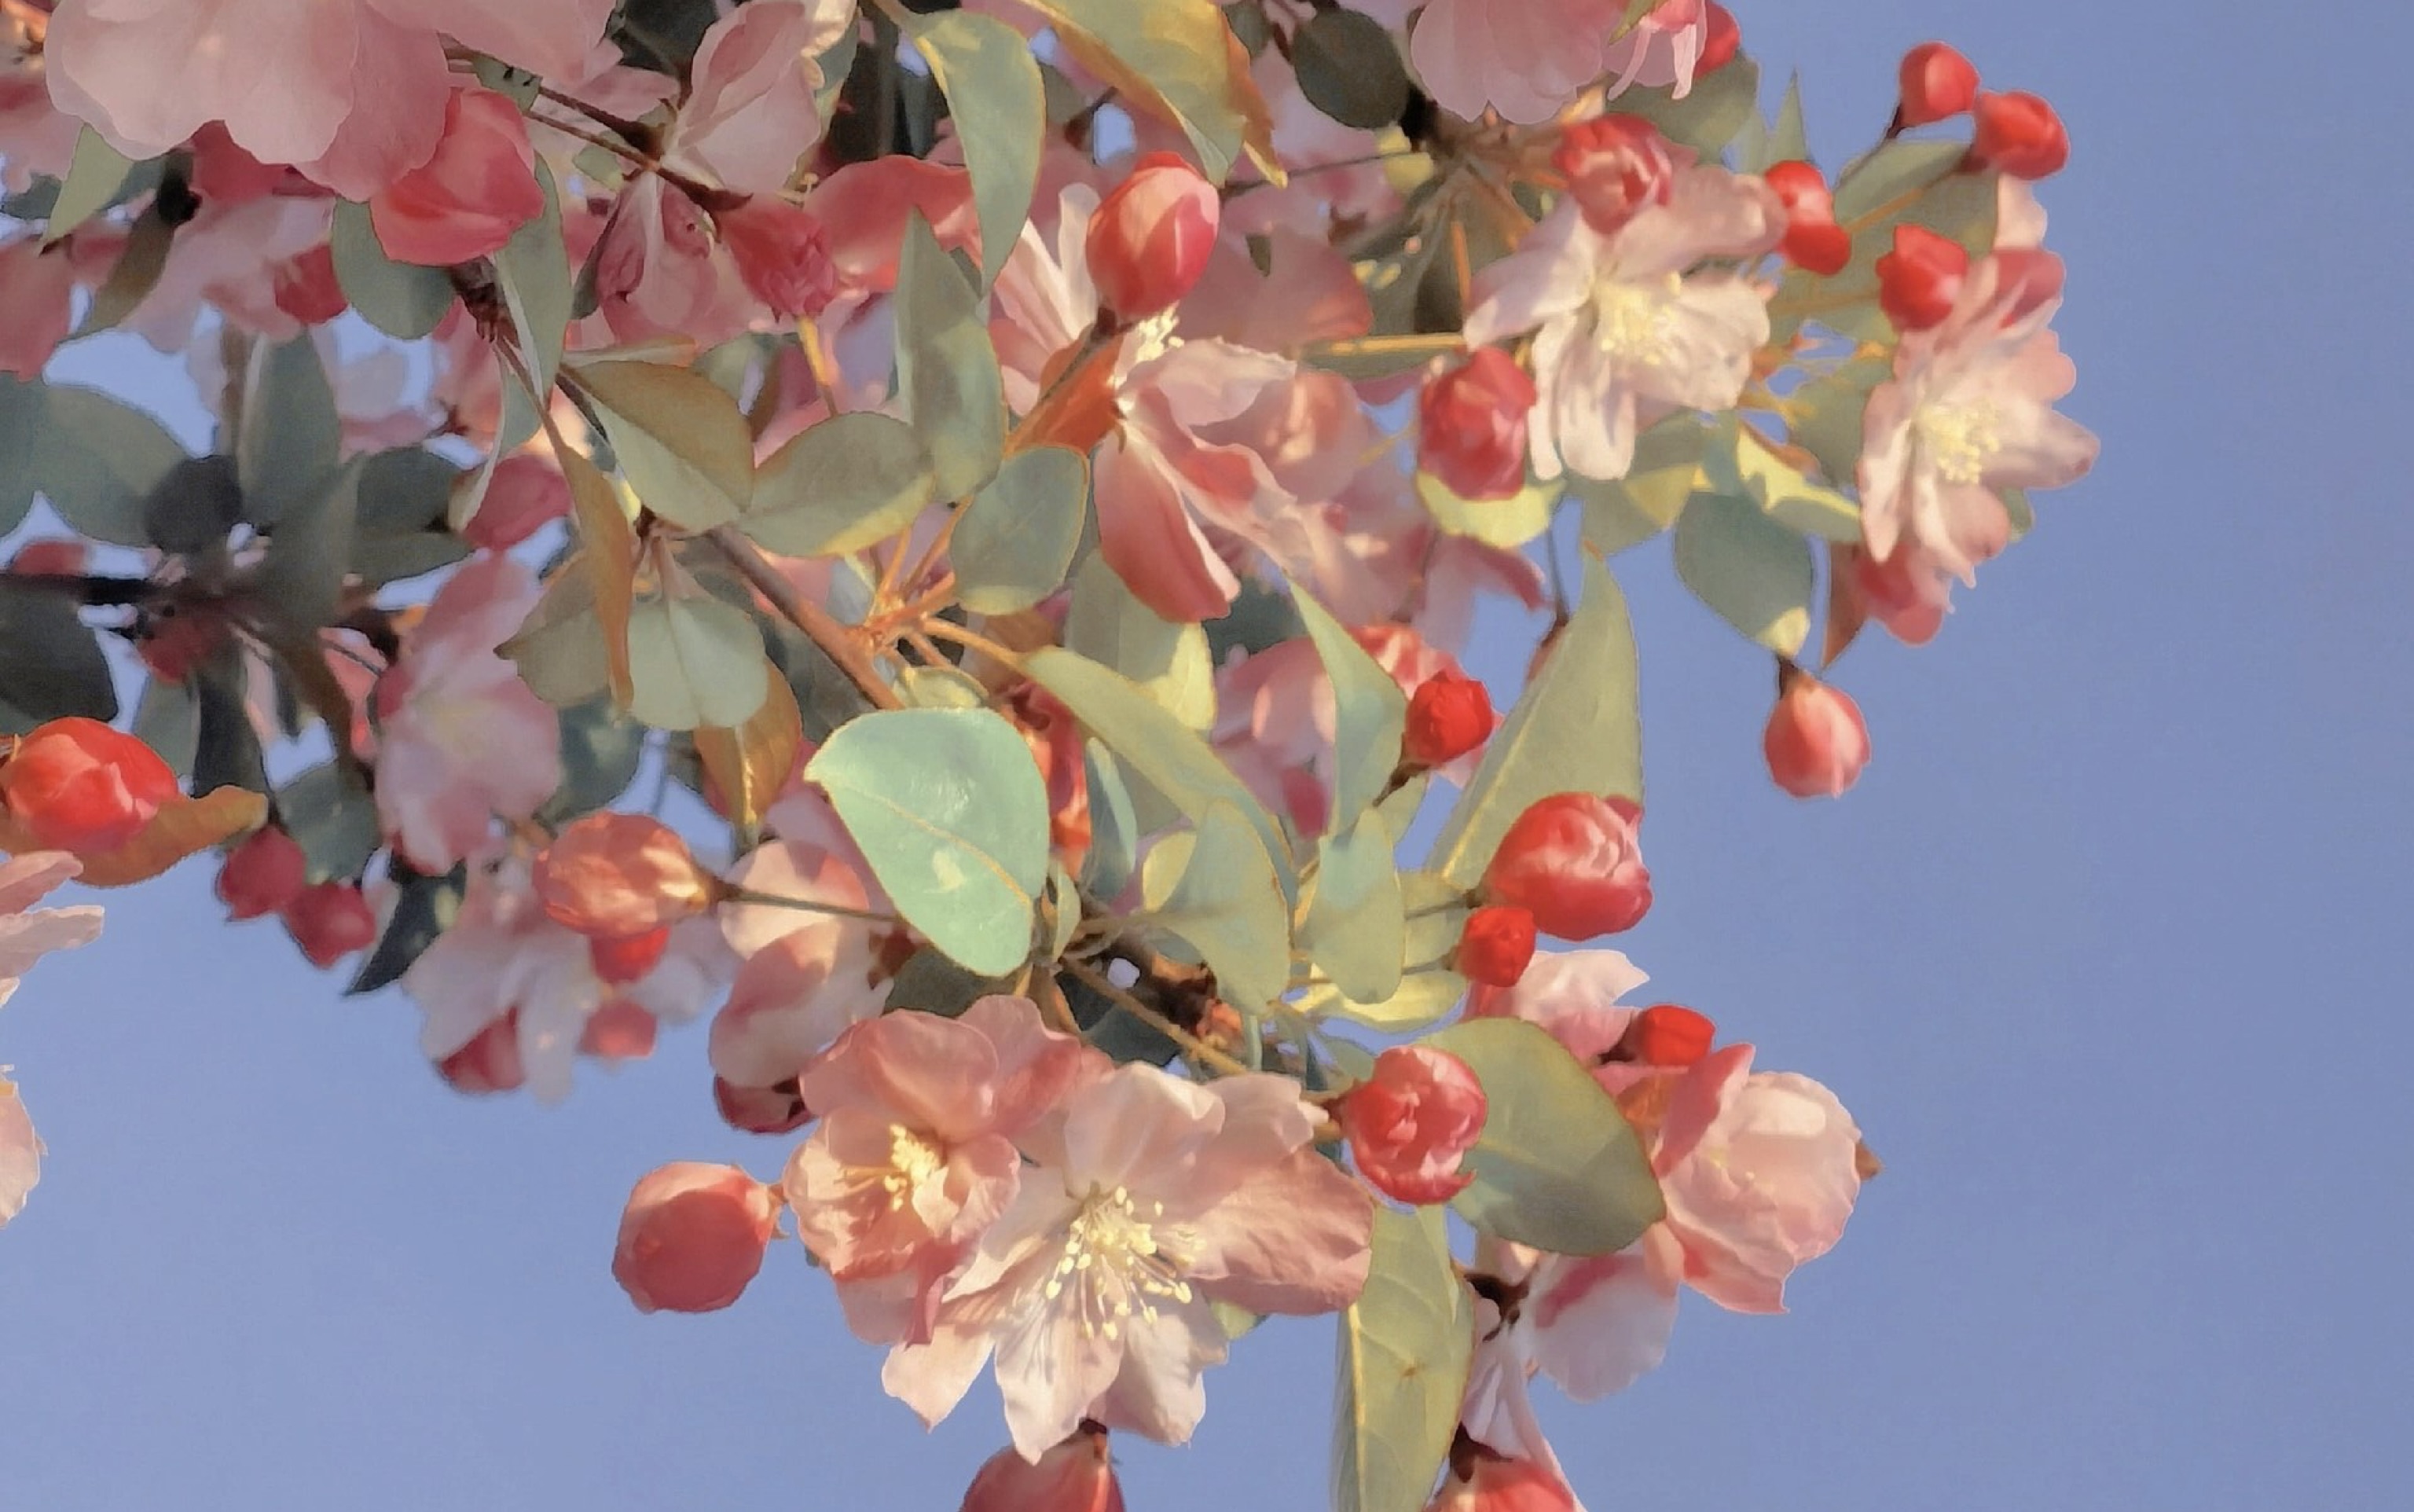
(911,1161)
(1115,1263)
(1636,321)
(1960,439)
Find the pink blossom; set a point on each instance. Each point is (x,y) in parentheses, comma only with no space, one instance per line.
(26,934)
(35,137)
(692,1236)
(1524,58)
(37,290)
(229,257)
(1627,334)
(463,741)
(1274,724)
(749,111)
(1674,43)
(21,1153)
(466,201)
(1152,1198)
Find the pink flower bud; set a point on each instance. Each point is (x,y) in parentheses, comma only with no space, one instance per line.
(1413,1122)
(1574,862)
(692,1236)
(262,875)
(1667,1034)
(1816,743)
(1921,279)
(1496,946)
(1938,84)
(76,784)
(1148,243)
(628,958)
(1471,425)
(1814,242)
(2019,135)
(1449,715)
(1491,1483)
(1722,40)
(760,1110)
(1615,166)
(782,255)
(330,921)
(464,202)
(490,1062)
(1077,1476)
(50,557)
(612,875)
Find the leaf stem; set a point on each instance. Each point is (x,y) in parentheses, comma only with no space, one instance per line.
(1191,1044)
(819,624)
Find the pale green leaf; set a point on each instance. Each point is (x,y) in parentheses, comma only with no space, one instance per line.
(1826,413)
(97,460)
(1708,117)
(1406,1344)
(1426,993)
(1174,58)
(993,91)
(1506,523)
(404,300)
(534,272)
(947,368)
(1369,714)
(135,273)
(1557,1166)
(1633,509)
(839,486)
(1114,828)
(951,811)
(1757,574)
(681,442)
(1215,889)
(1017,537)
(302,576)
(1356,927)
(333,818)
(293,438)
(693,660)
(1789,497)
(94,174)
(1169,662)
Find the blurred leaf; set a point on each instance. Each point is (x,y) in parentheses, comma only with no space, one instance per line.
(169,721)
(609,563)
(194,506)
(601,749)
(2017,510)
(401,299)
(1757,574)
(681,442)
(1505,523)
(1350,69)
(1114,828)
(227,753)
(1174,58)
(1017,537)
(302,577)
(1435,915)
(950,809)
(1214,888)
(941,687)
(533,273)
(97,461)
(23,409)
(1707,118)
(399,515)
(1168,661)
(1633,509)
(424,908)
(181,826)
(51,662)
(947,368)
(1576,729)
(1369,712)
(840,485)
(135,273)
(1356,929)
(1557,1166)
(1406,1344)
(1000,111)
(559,647)
(96,177)
(694,660)
(1759,146)
(292,438)
(333,817)
(928,982)
(751,763)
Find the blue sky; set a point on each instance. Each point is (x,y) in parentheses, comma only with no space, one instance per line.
(2098,953)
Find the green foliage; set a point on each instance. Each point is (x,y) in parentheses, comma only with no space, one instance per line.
(291,438)
(399,515)
(1016,539)
(423,907)
(1557,1166)
(681,442)
(401,299)
(1169,662)
(1633,509)
(951,813)
(1405,1347)
(1902,182)
(1350,69)
(52,667)
(1214,888)
(693,660)
(1172,57)
(1001,113)
(95,458)
(1707,119)
(841,485)
(1434,915)
(1369,713)
(334,819)
(1757,575)
(97,178)
(946,367)
(1355,928)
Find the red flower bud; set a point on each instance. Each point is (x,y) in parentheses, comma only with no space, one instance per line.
(1493,1483)
(76,784)
(1471,425)
(782,255)
(1816,743)
(1938,84)
(612,875)
(490,1062)
(760,1110)
(262,875)
(49,556)
(1814,241)
(1667,1034)
(1413,1122)
(2019,135)
(305,287)
(1919,280)
(464,202)
(629,958)
(330,921)
(1496,945)
(526,493)
(692,1236)
(1615,166)
(1720,41)
(1449,715)
(1574,862)
(1148,243)
(1077,1476)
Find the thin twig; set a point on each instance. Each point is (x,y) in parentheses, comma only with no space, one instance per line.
(1191,1044)
(819,624)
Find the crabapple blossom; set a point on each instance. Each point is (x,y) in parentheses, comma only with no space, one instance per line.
(1411,1123)
(1920,279)
(1615,166)
(26,934)
(1814,241)
(1574,862)
(1495,945)
(782,255)
(1815,740)
(2019,135)
(692,1236)
(611,875)
(1149,240)
(262,875)
(1493,1483)
(1449,715)
(467,199)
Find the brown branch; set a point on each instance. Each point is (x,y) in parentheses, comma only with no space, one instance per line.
(818,623)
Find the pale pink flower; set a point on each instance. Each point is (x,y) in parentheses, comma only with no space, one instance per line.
(26,934)
(21,1153)
(37,291)
(1152,1198)
(748,114)
(1669,45)
(1274,726)
(35,137)
(1628,334)
(227,259)
(913,1156)
(1524,58)
(463,741)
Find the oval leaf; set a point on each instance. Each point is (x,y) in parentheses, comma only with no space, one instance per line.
(401,299)
(1356,929)
(1215,888)
(1017,537)
(680,440)
(1405,1347)
(1758,574)
(1349,69)
(695,661)
(946,366)
(1369,713)
(993,91)
(841,485)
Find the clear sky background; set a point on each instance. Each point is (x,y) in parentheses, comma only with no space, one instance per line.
(2105,953)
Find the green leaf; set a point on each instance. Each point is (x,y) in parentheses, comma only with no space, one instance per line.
(600,753)
(1350,69)
(1176,56)
(839,486)
(52,666)
(951,811)
(534,272)
(560,648)
(694,660)
(1214,888)
(1356,929)
(1575,730)
(681,442)
(1405,1347)
(23,410)
(227,750)
(1017,538)
(1505,523)
(1114,828)
(1557,1166)
(1369,714)
(1758,574)
(1787,496)
(169,721)
(401,299)
(1633,509)
(334,819)
(1708,117)
(941,687)
(94,177)
(947,368)
(302,577)
(1169,662)
(135,273)
(1826,414)
(96,461)
(1424,996)
(424,908)
(1001,111)
(292,438)
(1152,743)
(399,515)
(194,506)
(1759,146)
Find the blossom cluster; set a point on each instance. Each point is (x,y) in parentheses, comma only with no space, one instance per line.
(1028,470)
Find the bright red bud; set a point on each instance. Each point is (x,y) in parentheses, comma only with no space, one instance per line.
(1471,425)
(1814,242)
(2019,135)
(330,921)
(692,1236)
(1667,1035)
(76,784)
(782,255)
(611,875)
(262,875)
(464,202)
(1450,715)
(1919,280)
(1496,945)
(1816,743)
(1411,1123)
(1615,166)
(1574,862)
(1148,242)
(1938,84)
(1720,41)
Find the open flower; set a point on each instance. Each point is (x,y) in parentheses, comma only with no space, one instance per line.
(26,934)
